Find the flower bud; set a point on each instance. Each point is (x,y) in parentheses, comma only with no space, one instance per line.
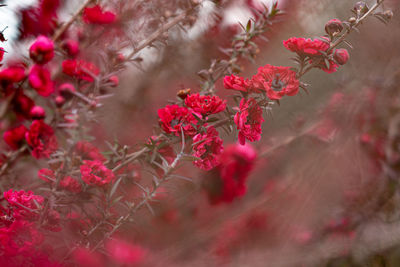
(182,94)
(42,50)
(37,113)
(333,27)
(388,14)
(59,101)
(113,80)
(71,47)
(360,8)
(66,90)
(341,56)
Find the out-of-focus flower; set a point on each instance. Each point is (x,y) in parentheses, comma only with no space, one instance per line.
(41,139)
(96,15)
(113,80)
(276,81)
(173,118)
(205,104)
(236,83)
(46,175)
(207,146)
(248,121)
(341,56)
(80,69)
(40,80)
(229,179)
(71,184)
(42,50)
(22,105)
(11,75)
(85,258)
(71,47)
(88,151)
(66,90)
(15,137)
(95,173)
(125,253)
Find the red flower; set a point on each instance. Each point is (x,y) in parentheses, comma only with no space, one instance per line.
(306,47)
(40,80)
(1,54)
(37,113)
(341,56)
(42,50)
(11,75)
(88,151)
(277,81)
(41,139)
(174,117)
(71,184)
(80,69)
(205,104)
(333,27)
(15,137)
(229,179)
(207,146)
(236,83)
(249,120)
(125,253)
(95,173)
(23,203)
(96,15)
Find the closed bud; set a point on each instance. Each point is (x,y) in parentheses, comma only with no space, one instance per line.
(388,14)
(113,80)
(360,8)
(67,90)
(59,101)
(333,27)
(352,20)
(37,113)
(182,94)
(341,56)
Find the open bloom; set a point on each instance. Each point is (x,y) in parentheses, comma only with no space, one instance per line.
(42,50)
(173,118)
(276,81)
(96,15)
(236,83)
(40,80)
(248,121)
(15,137)
(23,203)
(229,179)
(41,139)
(11,75)
(95,173)
(207,146)
(80,69)
(205,104)
(306,47)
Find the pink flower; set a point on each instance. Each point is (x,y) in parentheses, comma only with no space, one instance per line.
(276,81)
(67,90)
(46,175)
(22,105)
(40,80)
(96,15)
(80,69)
(236,83)
(205,105)
(306,47)
(15,137)
(41,139)
(88,151)
(95,173)
(341,56)
(42,50)
(173,117)
(333,27)
(248,121)
(207,146)
(229,179)
(125,253)
(37,113)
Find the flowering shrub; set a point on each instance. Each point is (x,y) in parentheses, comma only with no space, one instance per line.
(81,188)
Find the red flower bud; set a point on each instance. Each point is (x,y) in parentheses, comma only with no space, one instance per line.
(113,80)
(341,56)
(66,90)
(71,47)
(60,101)
(37,113)
(42,50)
